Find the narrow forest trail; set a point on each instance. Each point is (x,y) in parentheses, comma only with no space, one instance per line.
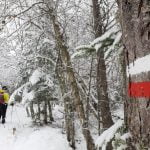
(28,137)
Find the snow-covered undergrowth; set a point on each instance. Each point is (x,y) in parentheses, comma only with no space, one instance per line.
(115,135)
(107,135)
(19,134)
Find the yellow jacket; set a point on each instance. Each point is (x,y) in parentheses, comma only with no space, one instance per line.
(6,96)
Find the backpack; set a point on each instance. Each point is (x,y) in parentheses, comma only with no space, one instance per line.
(1,98)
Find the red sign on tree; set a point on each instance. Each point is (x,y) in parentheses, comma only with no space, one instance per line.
(139,89)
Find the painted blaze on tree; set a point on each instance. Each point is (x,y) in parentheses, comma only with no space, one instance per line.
(139,89)
(139,68)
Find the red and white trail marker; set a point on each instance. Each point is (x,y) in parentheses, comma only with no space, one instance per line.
(139,89)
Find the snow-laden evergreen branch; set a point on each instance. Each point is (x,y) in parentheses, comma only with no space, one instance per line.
(107,42)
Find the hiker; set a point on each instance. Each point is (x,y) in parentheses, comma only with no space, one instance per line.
(4,98)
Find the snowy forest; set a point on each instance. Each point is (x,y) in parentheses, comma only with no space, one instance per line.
(78,74)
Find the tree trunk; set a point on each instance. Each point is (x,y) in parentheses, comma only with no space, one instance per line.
(135,21)
(102,92)
(32,111)
(28,113)
(72,80)
(122,66)
(103,100)
(50,111)
(45,111)
(68,104)
(104,112)
(38,112)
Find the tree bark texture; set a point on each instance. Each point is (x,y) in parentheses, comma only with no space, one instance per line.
(135,22)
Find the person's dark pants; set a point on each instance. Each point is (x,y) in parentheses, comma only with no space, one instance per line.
(3,108)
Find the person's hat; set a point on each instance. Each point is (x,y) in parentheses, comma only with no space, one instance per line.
(4,88)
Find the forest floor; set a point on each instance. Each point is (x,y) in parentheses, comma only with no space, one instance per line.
(18,133)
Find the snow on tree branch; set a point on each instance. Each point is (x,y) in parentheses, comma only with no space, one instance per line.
(108,41)
(108,135)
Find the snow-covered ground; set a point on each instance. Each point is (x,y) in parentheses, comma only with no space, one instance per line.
(19,134)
